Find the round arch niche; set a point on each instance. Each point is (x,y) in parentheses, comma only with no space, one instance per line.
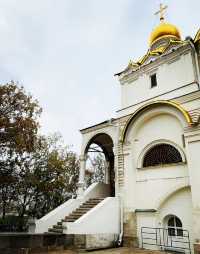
(105,143)
(178,157)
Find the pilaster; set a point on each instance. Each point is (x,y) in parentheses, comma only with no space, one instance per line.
(81,183)
(192,138)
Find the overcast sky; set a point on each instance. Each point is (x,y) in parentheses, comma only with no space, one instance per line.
(65,53)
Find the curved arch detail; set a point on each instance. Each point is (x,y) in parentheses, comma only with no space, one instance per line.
(185,114)
(167,195)
(97,140)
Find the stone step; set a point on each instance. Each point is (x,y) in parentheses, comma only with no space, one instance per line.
(82,209)
(86,206)
(76,214)
(89,204)
(55,230)
(58,226)
(81,212)
(69,220)
(96,199)
(93,201)
(73,217)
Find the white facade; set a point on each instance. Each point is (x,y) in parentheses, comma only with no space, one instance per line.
(164,195)
(168,113)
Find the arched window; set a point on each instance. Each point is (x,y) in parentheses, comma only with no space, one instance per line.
(161,154)
(175,226)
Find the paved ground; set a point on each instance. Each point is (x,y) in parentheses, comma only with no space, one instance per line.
(123,250)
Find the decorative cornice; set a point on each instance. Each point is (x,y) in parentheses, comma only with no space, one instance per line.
(157,53)
(121,121)
(187,97)
(169,56)
(105,124)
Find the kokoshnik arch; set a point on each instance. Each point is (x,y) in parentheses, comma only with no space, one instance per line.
(152,173)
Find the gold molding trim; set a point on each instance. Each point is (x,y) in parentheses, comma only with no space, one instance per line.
(151,104)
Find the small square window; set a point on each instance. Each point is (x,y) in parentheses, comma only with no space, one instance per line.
(153,80)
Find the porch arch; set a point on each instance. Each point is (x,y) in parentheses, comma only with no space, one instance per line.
(105,142)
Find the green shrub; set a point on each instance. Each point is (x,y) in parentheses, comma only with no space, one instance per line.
(13,223)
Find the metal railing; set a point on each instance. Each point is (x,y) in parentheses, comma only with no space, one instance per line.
(166,239)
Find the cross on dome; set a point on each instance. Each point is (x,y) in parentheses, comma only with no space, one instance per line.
(161,11)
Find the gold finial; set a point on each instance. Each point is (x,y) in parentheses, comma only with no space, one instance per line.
(161,12)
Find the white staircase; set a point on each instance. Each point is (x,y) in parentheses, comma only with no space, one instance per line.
(96,191)
(75,215)
(92,220)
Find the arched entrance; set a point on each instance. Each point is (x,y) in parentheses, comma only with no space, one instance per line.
(102,143)
(176,217)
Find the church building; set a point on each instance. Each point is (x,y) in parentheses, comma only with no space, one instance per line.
(151,193)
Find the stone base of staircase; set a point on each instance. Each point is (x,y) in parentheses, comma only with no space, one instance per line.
(44,243)
(95,241)
(24,243)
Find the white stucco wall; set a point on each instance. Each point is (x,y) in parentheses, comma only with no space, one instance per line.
(95,190)
(153,181)
(179,204)
(146,188)
(193,148)
(179,72)
(102,219)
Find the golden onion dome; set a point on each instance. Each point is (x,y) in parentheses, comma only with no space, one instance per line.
(164,30)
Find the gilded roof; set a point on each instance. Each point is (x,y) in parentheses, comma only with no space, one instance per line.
(197,36)
(158,51)
(163,30)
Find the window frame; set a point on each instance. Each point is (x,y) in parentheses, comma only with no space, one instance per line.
(145,149)
(165,162)
(152,76)
(174,231)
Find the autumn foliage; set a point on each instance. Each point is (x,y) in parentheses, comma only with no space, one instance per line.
(37,173)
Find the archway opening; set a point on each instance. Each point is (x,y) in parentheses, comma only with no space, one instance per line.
(100,161)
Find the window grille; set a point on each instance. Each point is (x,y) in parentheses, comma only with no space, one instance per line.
(161,154)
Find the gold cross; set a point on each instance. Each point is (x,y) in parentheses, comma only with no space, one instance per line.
(161,11)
